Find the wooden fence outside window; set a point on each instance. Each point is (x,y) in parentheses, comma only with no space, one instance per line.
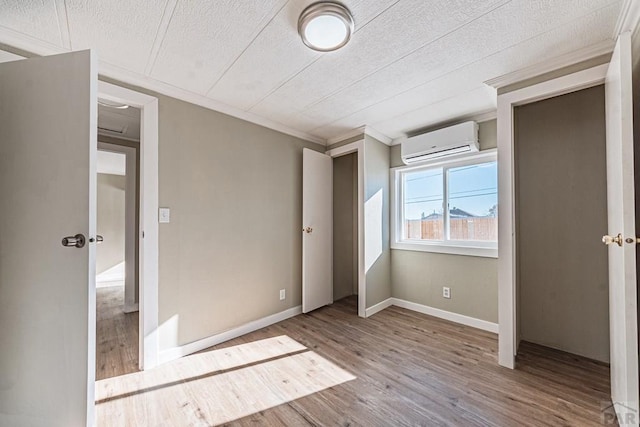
(479,228)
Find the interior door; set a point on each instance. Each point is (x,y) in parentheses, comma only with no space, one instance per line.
(622,233)
(48,127)
(317,223)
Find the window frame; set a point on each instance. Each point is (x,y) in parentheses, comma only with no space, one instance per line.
(446,246)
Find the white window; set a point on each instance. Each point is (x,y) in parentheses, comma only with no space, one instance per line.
(447,206)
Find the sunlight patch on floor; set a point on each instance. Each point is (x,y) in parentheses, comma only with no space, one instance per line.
(217,386)
(196,365)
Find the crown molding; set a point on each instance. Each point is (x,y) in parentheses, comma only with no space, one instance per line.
(368,130)
(38,47)
(628,19)
(347,135)
(552,64)
(362,130)
(117,73)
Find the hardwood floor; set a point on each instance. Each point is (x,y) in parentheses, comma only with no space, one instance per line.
(116,335)
(410,369)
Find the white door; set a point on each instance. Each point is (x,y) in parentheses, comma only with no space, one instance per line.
(621,212)
(48,129)
(317,233)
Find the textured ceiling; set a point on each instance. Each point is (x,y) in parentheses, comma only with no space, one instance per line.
(410,64)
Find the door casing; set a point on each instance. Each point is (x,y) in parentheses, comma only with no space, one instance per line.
(507,331)
(507,335)
(148,238)
(357,147)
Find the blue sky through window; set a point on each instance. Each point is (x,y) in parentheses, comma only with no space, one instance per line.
(422,193)
(472,188)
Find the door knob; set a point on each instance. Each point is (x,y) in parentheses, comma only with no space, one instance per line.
(308,230)
(76,241)
(608,240)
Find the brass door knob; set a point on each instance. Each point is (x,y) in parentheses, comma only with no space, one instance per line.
(609,240)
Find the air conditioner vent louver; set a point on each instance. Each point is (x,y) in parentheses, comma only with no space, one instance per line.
(120,131)
(458,139)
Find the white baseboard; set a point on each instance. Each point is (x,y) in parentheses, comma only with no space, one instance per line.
(131,308)
(193,347)
(435,312)
(447,315)
(118,283)
(184,350)
(378,307)
(107,278)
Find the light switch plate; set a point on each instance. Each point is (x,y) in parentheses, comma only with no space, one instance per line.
(164,215)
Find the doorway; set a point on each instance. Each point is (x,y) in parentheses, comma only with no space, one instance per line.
(117,266)
(354,168)
(147,233)
(561,207)
(345,230)
(620,234)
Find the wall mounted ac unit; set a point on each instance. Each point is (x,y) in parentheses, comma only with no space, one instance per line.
(461,138)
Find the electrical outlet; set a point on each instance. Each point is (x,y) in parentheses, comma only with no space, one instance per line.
(283,294)
(446,292)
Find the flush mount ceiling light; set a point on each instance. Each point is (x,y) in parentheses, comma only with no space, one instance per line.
(325,26)
(111,104)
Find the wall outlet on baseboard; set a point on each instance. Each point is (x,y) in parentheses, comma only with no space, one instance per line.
(283,294)
(446,292)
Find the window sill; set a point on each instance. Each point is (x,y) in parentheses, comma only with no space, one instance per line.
(446,249)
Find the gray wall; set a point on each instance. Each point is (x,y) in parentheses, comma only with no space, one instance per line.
(561,215)
(111,221)
(376,172)
(345,231)
(235,193)
(419,276)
